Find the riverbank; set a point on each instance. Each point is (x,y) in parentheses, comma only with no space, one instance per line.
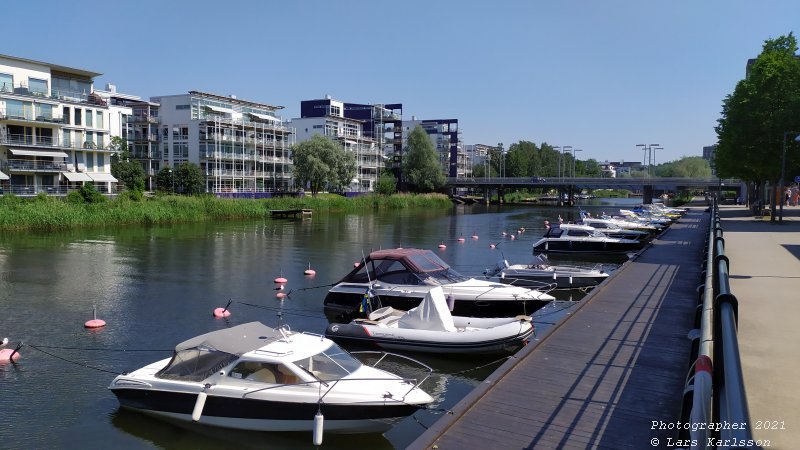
(53,213)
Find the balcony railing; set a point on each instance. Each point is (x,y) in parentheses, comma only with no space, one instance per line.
(27,165)
(52,142)
(31,190)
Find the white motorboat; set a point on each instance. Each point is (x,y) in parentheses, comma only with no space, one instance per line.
(581,239)
(430,327)
(541,271)
(612,229)
(253,377)
(402,277)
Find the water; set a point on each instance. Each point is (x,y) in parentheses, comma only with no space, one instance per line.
(158,286)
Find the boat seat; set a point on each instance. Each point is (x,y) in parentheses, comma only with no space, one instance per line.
(263,375)
(384,312)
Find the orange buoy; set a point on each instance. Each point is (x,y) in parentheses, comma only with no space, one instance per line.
(95,322)
(461,239)
(281,280)
(442,246)
(9,355)
(310,272)
(223,312)
(492,245)
(474,236)
(280,294)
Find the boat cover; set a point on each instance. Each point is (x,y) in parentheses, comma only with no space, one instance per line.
(431,314)
(197,358)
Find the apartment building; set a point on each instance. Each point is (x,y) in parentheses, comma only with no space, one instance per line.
(54,129)
(372,132)
(326,118)
(446,138)
(242,147)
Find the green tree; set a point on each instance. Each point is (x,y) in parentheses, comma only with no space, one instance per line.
(688,166)
(320,162)
(421,163)
(129,173)
(387,184)
(755,116)
(189,179)
(165,179)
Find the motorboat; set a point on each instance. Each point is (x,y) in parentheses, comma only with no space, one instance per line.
(541,271)
(430,327)
(646,217)
(582,239)
(253,377)
(612,229)
(402,277)
(626,224)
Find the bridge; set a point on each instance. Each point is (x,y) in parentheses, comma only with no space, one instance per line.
(573,185)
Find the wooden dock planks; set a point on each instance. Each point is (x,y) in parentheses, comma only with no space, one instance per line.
(599,378)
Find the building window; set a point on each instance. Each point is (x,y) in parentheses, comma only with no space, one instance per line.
(99,122)
(101,162)
(77,116)
(100,141)
(6,82)
(66,118)
(181,106)
(89,118)
(37,86)
(67,138)
(19,110)
(44,112)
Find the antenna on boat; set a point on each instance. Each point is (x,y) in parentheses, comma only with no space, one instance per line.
(367,295)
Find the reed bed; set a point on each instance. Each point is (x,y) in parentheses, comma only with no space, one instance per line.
(53,213)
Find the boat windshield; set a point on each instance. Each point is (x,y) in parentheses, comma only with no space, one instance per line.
(332,364)
(441,277)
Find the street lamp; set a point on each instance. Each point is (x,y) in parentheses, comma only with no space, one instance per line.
(783,170)
(654,153)
(172,177)
(558,149)
(563,167)
(573,159)
(648,153)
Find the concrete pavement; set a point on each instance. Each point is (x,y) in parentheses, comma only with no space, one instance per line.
(765,278)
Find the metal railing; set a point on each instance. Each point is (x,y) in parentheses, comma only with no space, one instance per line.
(31,190)
(714,394)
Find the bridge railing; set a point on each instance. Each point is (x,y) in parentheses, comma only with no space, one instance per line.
(715,403)
(589,181)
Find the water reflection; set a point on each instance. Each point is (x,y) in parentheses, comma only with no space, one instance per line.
(157,286)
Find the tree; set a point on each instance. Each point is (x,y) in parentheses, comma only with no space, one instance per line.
(421,163)
(387,184)
(165,179)
(320,162)
(189,179)
(129,173)
(755,116)
(688,166)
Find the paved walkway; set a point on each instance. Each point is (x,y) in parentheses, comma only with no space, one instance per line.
(765,278)
(600,377)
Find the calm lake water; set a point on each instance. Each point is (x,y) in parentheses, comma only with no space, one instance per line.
(158,286)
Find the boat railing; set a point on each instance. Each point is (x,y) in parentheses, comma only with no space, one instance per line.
(384,355)
(714,392)
(331,384)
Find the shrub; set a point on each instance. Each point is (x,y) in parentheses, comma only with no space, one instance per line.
(90,194)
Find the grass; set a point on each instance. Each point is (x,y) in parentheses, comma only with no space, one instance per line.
(53,213)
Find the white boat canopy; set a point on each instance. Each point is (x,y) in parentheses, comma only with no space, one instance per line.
(432,314)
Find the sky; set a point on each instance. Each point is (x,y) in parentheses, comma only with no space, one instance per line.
(598,75)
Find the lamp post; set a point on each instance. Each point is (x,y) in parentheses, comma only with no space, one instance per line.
(172,177)
(648,154)
(558,149)
(783,170)
(573,159)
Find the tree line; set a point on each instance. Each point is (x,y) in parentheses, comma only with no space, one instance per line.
(760,120)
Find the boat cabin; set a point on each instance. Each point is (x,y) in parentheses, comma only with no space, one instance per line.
(404,266)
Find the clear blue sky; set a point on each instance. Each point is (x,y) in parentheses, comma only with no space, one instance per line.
(599,75)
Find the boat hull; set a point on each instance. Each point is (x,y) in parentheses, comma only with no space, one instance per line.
(585,247)
(264,415)
(449,343)
(344,306)
(562,281)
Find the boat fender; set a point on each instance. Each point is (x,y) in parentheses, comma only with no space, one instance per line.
(318,423)
(199,405)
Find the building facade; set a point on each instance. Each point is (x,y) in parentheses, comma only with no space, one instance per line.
(240,146)
(54,129)
(446,138)
(372,132)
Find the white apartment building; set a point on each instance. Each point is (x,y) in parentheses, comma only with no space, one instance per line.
(349,133)
(240,146)
(54,130)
